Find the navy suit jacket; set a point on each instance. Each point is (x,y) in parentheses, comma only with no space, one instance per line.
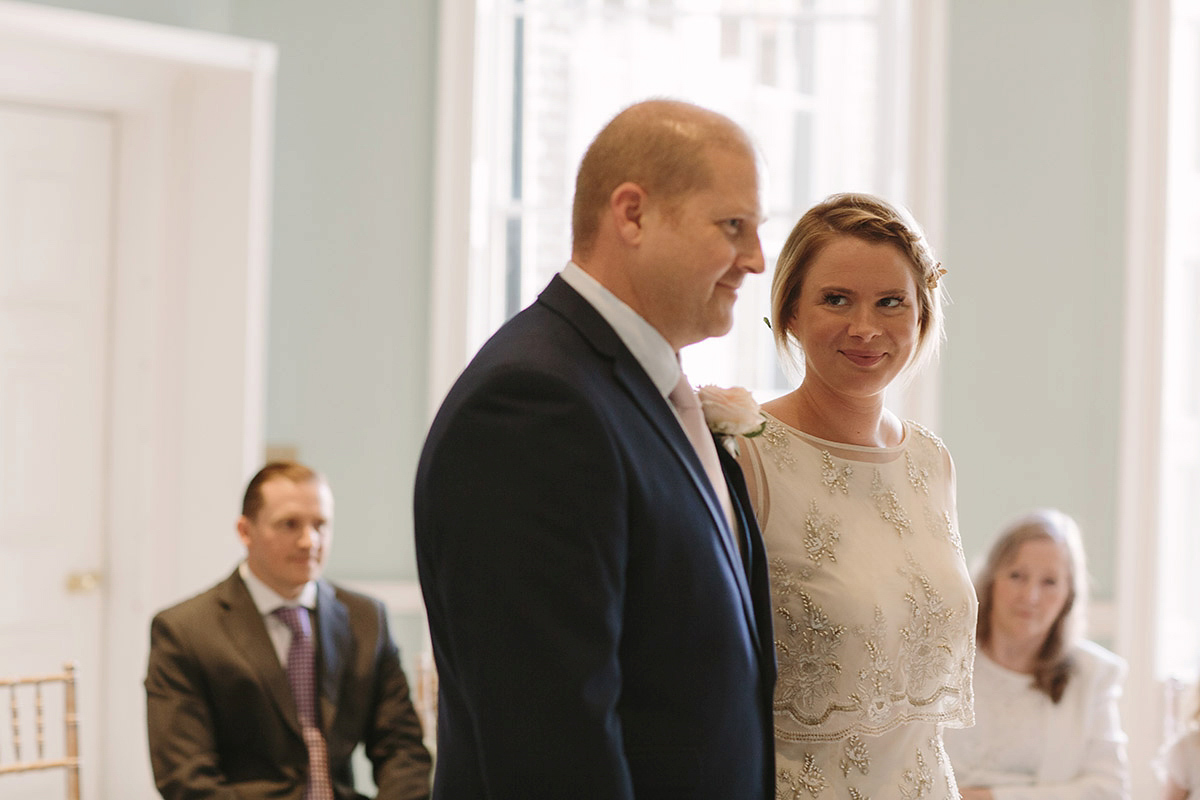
(220,715)
(596,632)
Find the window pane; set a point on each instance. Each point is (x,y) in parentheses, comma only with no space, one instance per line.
(1179,647)
(815,82)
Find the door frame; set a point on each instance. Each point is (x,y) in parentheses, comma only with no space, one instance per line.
(194,119)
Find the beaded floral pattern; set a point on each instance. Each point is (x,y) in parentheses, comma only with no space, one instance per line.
(776,438)
(808,781)
(833,476)
(917,476)
(809,646)
(917,781)
(874,614)
(889,505)
(856,756)
(821,535)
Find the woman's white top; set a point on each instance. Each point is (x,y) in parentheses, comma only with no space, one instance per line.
(1181,761)
(1026,747)
(874,612)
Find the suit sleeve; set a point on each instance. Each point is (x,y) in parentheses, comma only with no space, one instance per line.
(394,740)
(1104,771)
(522,526)
(179,724)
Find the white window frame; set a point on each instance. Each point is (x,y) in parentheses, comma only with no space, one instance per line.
(1144,536)
(450,310)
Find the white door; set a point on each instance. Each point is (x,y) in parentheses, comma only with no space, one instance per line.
(56,197)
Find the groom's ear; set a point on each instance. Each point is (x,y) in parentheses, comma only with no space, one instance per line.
(627,205)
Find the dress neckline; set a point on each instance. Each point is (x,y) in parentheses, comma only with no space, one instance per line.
(854,452)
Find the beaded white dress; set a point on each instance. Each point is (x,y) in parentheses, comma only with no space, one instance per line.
(874,612)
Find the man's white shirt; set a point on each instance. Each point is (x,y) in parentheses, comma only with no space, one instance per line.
(266,600)
(648,346)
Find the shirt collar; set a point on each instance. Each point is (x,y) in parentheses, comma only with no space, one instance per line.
(652,351)
(266,599)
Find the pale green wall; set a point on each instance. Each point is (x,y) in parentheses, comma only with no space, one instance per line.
(350,282)
(350,276)
(210,15)
(1035,220)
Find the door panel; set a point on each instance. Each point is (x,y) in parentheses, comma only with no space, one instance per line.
(56,196)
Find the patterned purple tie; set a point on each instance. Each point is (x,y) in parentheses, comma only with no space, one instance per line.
(302,675)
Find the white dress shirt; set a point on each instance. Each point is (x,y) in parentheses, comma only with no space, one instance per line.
(648,346)
(266,600)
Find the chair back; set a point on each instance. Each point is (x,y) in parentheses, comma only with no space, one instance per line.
(26,751)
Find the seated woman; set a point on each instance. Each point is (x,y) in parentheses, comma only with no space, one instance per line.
(1046,721)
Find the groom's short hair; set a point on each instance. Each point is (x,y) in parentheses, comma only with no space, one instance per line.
(662,146)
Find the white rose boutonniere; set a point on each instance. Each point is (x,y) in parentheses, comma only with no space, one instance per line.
(731,413)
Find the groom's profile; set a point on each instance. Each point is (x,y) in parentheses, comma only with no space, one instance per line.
(594,579)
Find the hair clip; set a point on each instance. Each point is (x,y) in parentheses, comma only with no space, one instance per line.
(931,280)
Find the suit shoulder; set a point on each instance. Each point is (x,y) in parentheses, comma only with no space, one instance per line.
(357,601)
(560,333)
(198,608)
(541,349)
(554,378)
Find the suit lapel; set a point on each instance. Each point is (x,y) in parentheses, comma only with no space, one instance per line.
(657,409)
(559,296)
(246,629)
(333,632)
(755,560)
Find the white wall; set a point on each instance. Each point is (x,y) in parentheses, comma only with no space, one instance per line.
(349,293)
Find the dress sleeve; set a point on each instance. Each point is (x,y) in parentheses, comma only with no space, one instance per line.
(750,459)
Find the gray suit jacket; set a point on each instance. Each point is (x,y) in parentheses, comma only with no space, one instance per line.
(221,719)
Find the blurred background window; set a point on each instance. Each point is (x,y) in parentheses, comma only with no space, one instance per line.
(822,86)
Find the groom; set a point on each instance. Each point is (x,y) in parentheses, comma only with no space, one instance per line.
(598,604)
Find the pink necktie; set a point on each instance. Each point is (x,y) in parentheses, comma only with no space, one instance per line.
(302,676)
(683,397)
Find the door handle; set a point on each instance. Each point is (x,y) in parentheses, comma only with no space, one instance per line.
(83,582)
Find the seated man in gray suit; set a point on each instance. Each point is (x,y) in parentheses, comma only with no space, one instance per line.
(262,686)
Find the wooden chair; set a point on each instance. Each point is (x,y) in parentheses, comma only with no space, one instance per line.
(26,759)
